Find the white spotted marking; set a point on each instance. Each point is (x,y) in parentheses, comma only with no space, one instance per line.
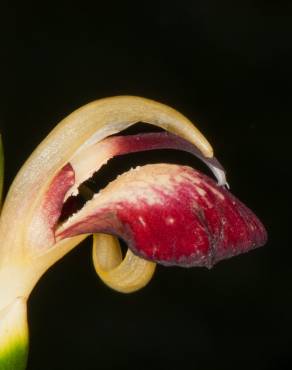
(170,221)
(201,191)
(141,219)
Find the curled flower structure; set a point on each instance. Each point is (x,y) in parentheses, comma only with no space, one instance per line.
(167,214)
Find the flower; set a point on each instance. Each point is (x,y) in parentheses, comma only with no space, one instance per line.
(168,214)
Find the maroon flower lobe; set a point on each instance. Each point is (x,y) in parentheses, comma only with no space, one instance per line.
(172,215)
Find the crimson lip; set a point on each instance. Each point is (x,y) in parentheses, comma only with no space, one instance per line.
(172,215)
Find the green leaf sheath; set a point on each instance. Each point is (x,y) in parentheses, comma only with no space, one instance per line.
(1,168)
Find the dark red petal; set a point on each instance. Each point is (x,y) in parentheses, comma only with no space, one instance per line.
(47,215)
(54,197)
(172,215)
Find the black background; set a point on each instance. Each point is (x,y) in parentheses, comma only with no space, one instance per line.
(227,66)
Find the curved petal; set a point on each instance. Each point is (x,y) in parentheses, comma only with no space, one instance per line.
(91,159)
(74,134)
(125,276)
(171,215)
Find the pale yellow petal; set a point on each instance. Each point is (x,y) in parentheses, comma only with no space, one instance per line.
(124,275)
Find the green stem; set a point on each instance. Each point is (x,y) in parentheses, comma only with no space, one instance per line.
(14,336)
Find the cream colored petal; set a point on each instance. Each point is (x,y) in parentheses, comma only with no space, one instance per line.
(84,127)
(87,125)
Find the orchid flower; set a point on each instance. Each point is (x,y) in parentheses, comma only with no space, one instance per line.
(167,214)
